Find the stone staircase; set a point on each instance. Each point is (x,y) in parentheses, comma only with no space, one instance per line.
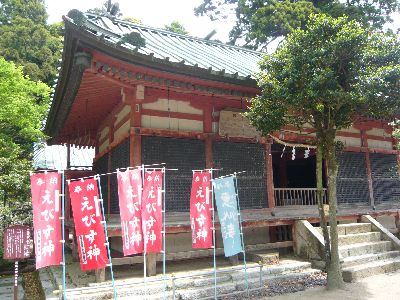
(7,288)
(200,285)
(367,249)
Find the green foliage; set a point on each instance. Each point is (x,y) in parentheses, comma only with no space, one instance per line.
(28,41)
(258,22)
(34,10)
(23,104)
(327,75)
(176,27)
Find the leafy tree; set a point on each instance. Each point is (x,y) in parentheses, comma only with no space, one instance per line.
(176,27)
(23,104)
(27,40)
(326,76)
(259,22)
(34,10)
(108,9)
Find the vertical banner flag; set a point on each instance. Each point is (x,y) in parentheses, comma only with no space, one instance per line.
(200,210)
(45,188)
(226,200)
(90,238)
(130,208)
(152,211)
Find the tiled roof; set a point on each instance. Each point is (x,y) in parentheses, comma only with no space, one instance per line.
(217,57)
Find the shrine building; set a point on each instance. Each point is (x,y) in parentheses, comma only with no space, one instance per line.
(142,95)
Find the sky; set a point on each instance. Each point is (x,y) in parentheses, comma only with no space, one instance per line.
(155,13)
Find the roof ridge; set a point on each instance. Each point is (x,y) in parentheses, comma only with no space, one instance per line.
(188,37)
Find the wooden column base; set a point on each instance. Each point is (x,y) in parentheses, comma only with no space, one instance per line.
(74,248)
(100,275)
(151,264)
(234,260)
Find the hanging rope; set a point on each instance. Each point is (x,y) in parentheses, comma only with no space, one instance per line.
(294,145)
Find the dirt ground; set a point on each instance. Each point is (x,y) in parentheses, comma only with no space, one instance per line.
(384,286)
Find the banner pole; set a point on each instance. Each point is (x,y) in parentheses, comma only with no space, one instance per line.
(16,280)
(145,247)
(106,236)
(241,234)
(164,234)
(213,232)
(63,232)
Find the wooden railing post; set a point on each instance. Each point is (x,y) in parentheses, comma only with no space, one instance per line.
(297,196)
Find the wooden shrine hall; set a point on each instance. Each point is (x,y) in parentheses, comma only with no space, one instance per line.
(142,95)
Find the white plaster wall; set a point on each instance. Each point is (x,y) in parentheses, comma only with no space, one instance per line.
(104,132)
(171,123)
(174,106)
(122,114)
(380,144)
(350,129)
(377,131)
(122,130)
(234,124)
(103,146)
(349,141)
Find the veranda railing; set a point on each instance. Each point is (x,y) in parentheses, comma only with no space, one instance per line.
(298,196)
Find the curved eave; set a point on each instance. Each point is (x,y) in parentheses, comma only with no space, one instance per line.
(78,38)
(70,46)
(89,40)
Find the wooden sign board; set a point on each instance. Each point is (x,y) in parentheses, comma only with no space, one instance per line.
(17,242)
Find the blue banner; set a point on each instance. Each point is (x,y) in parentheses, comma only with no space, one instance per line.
(225,198)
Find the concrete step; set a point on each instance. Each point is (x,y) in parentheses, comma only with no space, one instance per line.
(240,284)
(366,258)
(351,228)
(354,273)
(365,248)
(265,257)
(191,287)
(355,238)
(7,288)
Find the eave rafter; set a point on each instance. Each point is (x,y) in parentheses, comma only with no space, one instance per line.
(131,76)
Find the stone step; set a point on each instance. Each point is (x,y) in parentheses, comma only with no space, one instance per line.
(227,282)
(366,258)
(241,285)
(355,238)
(354,273)
(265,257)
(351,228)
(365,248)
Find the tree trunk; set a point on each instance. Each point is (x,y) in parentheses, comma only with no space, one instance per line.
(324,226)
(335,279)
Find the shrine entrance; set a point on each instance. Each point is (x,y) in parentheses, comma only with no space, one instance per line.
(294,176)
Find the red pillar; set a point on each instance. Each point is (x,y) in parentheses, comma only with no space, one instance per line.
(207,128)
(135,155)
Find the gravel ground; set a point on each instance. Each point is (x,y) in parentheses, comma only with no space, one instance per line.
(378,287)
(314,280)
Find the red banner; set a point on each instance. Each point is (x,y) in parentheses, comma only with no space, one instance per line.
(200,210)
(152,211)
(46,203)
(130,209)
(90,238)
